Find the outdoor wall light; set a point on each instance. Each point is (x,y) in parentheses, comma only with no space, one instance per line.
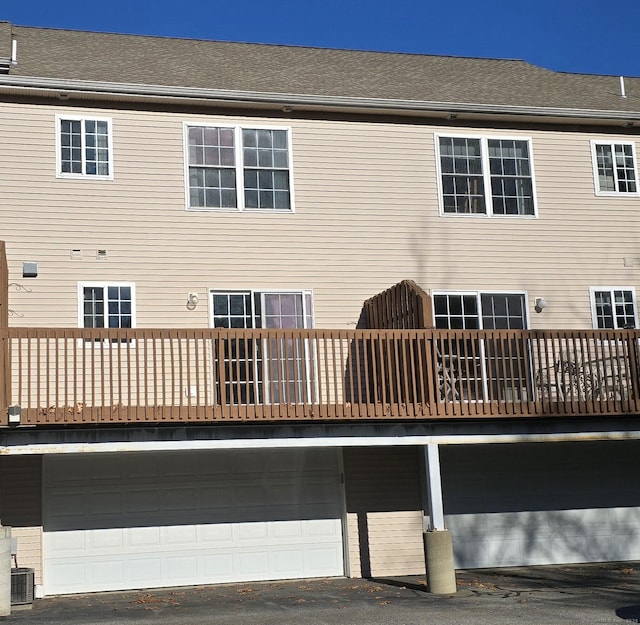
(192,300)
(541,304)
(14,415)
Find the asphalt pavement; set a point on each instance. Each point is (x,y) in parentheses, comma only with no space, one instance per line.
(551,595)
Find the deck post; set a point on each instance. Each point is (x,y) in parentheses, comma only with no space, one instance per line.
(438,545)
(5,385)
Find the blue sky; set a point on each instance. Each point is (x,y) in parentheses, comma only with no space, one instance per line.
(589,36)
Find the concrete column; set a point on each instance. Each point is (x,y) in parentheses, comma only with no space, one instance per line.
(441,575)
(5,570)
(438,545)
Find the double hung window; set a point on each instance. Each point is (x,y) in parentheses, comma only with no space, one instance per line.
(106,305)
(258,370)
(614,166)
(485,176)
(478,370)
(613,308)
(238,168)
(84,147)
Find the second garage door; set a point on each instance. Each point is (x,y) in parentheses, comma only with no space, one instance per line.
(142,520)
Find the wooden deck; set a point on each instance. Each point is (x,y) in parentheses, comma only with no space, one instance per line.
(66,376)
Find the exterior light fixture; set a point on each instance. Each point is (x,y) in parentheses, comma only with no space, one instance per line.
(541,304)
(192,300)
(14,415)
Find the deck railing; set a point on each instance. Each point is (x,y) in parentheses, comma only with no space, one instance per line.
(79,376)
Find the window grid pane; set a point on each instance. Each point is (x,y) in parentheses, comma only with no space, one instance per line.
(84,147)
(624,311)
(462,180)
(212,176)
(71,146)
(511,184)
(616,168)
(625,169)
(232,310)
(614,309)
(456,312)
(266,169)
(109,306)
(503,311)
(93,307)
(96,135)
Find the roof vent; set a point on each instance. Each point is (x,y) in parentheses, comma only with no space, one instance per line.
(623,93)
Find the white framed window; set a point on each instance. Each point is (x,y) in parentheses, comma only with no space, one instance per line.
(238,168)
(490,176)
(614,168)
(479,310)
(271,371)
(106,305)
(284,309)
(479,370)
(613,308)
(84,147)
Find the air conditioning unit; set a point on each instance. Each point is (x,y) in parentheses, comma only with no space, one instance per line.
(22,586)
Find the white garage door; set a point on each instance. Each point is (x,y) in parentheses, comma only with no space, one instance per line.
(143,520)
(542,503)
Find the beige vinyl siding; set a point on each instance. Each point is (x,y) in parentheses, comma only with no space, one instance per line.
(384,513)
(21,507)
(29,549)
(395,544)
(366,216)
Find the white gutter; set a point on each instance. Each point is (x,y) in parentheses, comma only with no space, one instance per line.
(54,87)
(340,441)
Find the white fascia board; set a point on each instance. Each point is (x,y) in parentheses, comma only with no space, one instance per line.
(66,88)
(320,442)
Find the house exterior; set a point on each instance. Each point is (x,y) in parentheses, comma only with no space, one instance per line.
(266,312)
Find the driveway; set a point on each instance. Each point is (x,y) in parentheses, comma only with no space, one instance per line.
(572,595)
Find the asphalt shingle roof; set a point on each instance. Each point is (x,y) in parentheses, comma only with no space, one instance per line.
(286,70)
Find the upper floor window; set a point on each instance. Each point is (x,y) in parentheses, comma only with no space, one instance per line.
(613,308)
(614,166)
(84,147)
(106,305)
(239,168)
(486,176)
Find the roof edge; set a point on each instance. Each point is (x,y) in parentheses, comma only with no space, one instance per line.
(64,89)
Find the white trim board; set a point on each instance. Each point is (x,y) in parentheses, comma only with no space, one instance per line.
(339,441)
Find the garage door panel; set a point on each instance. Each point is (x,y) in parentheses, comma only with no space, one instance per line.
(217,567)
(215,498)
(216,534)
(285,530)
(323,528)
(284,562)
(182,567)
(140,501)
(102,540)
(247,533)
(180,535)
(319,561)
(165,519)
(253,564)
(104,503)
(250,497)
(176,499)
